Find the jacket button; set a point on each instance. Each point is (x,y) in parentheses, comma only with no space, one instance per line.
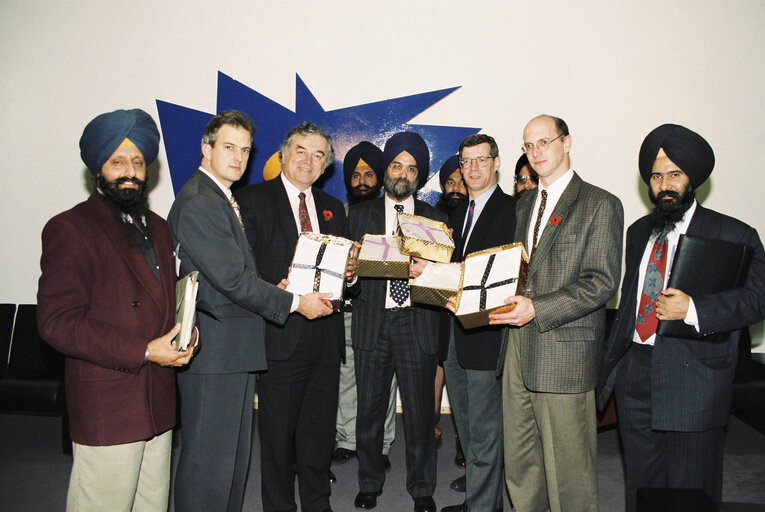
(136,304)
(685,364)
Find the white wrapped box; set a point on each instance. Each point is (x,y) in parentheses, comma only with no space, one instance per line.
(319,264)
(437,283)
(424,238)
(380,257)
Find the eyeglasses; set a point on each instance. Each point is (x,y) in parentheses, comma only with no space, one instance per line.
(541,145)
(481,161)
(398,167)
(522,178)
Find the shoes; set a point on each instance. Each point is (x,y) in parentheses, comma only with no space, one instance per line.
(456,508)
(332,477)
(343,454)
(459,458)
(366,500)
(458,484)
(424,504)
(386,462)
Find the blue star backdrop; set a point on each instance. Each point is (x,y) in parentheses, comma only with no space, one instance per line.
(182,129)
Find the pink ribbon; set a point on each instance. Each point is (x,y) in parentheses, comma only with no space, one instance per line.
(386,243)
(427,229)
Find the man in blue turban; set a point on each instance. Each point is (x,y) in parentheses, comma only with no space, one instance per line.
(674,393)
(106,300)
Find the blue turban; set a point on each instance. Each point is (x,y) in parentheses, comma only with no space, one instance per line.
(104,134)
(368,152)
(452,164)
(415,146)
(687,149)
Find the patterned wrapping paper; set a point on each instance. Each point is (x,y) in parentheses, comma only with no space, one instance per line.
(424,238)
(380,257)
(319,264)
(437,283)
(488,278)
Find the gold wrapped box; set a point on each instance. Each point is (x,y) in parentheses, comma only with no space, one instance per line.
(437,283)
(424,238)
(319,264)
(488,278)
(380,257)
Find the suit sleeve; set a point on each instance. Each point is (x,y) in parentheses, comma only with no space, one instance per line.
(65,316)
(598,271)
(202,229)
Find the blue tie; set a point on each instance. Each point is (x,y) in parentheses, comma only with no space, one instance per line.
(469,223)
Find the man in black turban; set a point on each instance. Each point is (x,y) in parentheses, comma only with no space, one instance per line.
(674,394)
(106,300)
(454,192)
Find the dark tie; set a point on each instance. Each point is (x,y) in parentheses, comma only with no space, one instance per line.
(235,207)
(305,220)
(539,221)
(469,223)
(399,288)
(646,322)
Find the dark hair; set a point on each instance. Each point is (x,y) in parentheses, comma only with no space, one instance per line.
(480,138)
(231,117)
(524,161)
(309,128)
(560,125)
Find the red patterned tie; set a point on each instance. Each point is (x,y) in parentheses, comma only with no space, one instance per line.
(646,321)
(305,220)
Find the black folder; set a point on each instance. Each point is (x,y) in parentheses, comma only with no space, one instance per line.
(702,266)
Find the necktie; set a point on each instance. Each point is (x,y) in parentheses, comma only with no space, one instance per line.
(469,223)
(235,207)
(399,288)
(539,221)
(305,220)
(646,322)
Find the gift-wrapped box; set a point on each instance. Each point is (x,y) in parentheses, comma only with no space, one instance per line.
(437,283)
(488,278)
(424,238)
(319,264)
(380,257)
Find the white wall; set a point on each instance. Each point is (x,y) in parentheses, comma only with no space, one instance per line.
(612,69)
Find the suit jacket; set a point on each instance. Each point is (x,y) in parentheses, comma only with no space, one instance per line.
(272,232)
(691,380)
(211,240)
(99,303)
(478,349)
(369,305)
(573,273)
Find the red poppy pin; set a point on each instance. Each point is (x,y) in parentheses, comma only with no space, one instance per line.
(555,220)
(327,215)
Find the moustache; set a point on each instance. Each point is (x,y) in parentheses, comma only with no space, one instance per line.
(668,193)
(125,179)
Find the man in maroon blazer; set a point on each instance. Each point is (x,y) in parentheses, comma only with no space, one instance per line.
(106,300)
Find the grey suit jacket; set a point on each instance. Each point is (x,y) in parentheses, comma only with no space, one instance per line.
(574,272)
(691,380)
(211,240)
(369,304)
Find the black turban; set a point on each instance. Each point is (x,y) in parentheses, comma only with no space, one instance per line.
(104,134)
(368,152)
(452,164)
(415,146)
(687,149)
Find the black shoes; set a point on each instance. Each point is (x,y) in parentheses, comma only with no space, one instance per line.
(424,504)
(458,484)
(343,454)
(456,508)
(366,500)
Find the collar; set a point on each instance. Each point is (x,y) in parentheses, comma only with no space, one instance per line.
(226,191)
(292,190)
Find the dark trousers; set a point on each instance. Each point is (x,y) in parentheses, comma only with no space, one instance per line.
(397,351)
(297,406)
(661,459)
(216,435)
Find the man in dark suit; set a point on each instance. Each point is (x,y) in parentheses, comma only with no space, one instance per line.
(106,300)
(674,394)
(217,391)
(297,396)
(475,392)
(573,232)
(392,335)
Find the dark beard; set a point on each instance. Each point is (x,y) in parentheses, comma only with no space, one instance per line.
(666,215)
(132,201)
(447,203)
(399,188)
(362,193)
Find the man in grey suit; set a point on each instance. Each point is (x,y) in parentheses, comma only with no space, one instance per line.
(573,232)
(674,394)
(392,335)
(217,391)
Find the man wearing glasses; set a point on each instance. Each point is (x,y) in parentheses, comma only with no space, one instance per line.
(573,233)
(525,177)
(475,392)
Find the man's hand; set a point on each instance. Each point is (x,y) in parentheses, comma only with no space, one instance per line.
(416,266)
(522,314)
(314,305)
(353,261)
(451,304)
(162,350)
(283,284)
(672,304)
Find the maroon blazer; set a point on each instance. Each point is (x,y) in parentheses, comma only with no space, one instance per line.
(99,303)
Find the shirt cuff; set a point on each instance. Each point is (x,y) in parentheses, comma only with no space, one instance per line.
(691,317)
(295,302)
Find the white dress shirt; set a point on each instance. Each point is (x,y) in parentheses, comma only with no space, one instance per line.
(390,229)
(554,192)
(480,202)
(292,194)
